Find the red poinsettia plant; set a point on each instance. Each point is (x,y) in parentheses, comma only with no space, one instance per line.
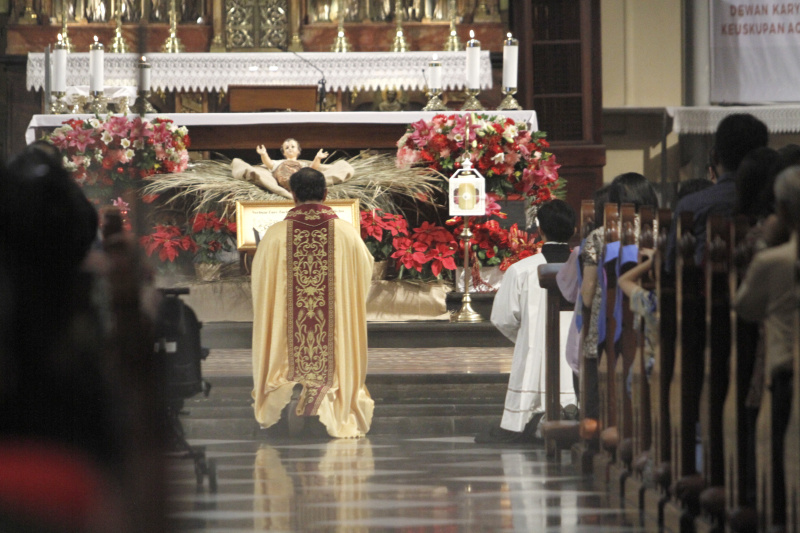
(491,244)
(169,241)
(424,253)
(378,230)
(207,235)
(514,160)
(212,234)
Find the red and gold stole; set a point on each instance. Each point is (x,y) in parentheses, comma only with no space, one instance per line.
(310,305)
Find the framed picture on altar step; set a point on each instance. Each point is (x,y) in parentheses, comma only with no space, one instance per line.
(253,219)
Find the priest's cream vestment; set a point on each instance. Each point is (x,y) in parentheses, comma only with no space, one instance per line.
(310,278)
(519,313)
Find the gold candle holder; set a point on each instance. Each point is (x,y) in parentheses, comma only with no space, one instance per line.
(118,44)
(173,44)
(472,103)
(65,40)
(399,44)
(453,44)
(340,44)
(28,16)
(434,101)
(142,106)
(467,313)
(98,103)
(509,102)
(58,106)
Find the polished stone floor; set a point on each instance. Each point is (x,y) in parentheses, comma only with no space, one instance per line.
(386,484)
(449,360)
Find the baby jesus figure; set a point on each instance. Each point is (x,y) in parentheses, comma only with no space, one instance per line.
(274,175)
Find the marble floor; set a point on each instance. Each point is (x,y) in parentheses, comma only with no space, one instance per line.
(386,484)
(449,360)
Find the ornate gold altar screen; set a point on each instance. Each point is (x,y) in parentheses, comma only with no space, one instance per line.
(257,25)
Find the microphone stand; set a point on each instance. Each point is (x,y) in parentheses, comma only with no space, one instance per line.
(322,82)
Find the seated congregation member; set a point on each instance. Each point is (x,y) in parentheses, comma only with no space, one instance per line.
(685,188)
(735,137)
(589,305)
(519,312)
(765,295)
(311,275)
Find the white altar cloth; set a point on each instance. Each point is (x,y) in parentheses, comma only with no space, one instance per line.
(704,119)
(313,117)
(214,72)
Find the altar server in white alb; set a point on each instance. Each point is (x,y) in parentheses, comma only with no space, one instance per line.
(519,312)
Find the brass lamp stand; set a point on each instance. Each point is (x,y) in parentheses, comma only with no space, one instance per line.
(467,313)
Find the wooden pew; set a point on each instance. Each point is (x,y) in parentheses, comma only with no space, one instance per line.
(558,434)
(584,450)
(640,389)
(625,350)
(744,336)
(719,253)
(792,442)
(609,436)
(660,377)
(687,380)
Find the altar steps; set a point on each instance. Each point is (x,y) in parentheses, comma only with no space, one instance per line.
(422,334)
(405,404)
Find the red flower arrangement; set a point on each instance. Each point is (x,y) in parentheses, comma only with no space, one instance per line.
(422,253)
(212,234)
(512,159)
(492,245)
(208,235)
(168,241)
(101,153)
(378,229)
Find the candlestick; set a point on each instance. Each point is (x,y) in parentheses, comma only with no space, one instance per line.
(96,66)
(118,44)
(435,70)
(64,36)
(473,62)
(399,44)
(473,74)
(173,44)
(340,44)
(142,105)
(452,44)
(510,60)
(434,86)
(59,66)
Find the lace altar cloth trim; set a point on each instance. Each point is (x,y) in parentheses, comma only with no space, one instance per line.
(240,119)
(214,72)
(704,120)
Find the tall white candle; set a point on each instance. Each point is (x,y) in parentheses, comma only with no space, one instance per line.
(96,66)
(59,66)
(473,62)
(435,68)
(144,75)
(510,60)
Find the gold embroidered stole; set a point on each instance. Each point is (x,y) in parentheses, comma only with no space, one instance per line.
(310,305)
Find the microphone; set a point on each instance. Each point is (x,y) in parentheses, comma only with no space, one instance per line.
(322,82)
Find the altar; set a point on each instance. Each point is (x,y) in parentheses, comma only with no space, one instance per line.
(214,72)
(342,130)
